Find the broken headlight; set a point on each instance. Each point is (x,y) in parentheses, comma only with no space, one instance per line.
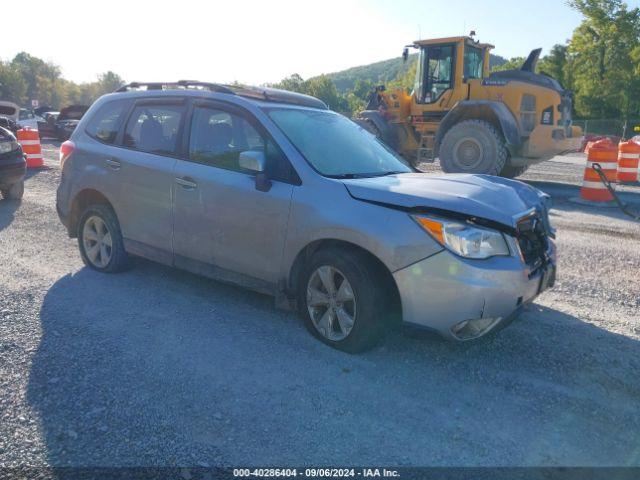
(463,239)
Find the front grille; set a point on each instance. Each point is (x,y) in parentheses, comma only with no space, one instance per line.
(533,239)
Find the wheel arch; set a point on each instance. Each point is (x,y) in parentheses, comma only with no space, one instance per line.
(82,200)
(297,267)
(495,113)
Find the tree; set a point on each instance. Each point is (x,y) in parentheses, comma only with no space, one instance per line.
(603,58)
(555,64)
(108,82)
(13,86)
(512,64)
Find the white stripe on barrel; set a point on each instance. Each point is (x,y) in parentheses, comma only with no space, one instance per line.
(604,165)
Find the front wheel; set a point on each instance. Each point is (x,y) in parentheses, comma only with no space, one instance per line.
(473,146)
(342,299)
(15,191)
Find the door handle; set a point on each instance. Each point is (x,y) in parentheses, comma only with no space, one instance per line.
(113,164)
(186,183)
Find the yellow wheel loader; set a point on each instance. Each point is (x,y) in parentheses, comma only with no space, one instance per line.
(474,121)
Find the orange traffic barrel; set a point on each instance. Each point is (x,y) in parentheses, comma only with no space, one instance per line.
(30,141)
(628,159)
(605,153)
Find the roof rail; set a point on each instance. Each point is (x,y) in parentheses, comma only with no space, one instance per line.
(280,96)
(214,87)
(258,93)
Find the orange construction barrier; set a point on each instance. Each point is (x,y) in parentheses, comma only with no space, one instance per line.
(605,153)
(628,159)
(30,141)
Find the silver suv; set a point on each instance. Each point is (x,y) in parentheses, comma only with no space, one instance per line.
(271,190)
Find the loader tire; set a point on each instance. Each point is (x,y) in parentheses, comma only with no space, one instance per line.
(473,146)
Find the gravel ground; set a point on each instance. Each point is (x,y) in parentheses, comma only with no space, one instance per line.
(160,367)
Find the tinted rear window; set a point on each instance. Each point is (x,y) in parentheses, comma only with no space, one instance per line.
(105,124)
(5,110)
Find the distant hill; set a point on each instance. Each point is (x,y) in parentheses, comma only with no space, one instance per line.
(384,71)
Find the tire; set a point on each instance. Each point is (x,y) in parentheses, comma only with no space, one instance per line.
(116,259)
(512,172)
(14,192)
(473,146)
(371,308)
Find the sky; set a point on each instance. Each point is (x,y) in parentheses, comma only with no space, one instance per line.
(256,42)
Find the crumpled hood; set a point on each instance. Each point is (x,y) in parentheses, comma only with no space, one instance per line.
(493,198)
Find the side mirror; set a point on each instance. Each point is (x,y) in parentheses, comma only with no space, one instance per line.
(405,54)
(253,161)
(256,162)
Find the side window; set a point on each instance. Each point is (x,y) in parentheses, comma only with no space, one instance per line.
(106,122)
(218,137)
(473,60)
(154,128)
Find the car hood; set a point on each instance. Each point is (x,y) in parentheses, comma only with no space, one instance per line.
(484,196)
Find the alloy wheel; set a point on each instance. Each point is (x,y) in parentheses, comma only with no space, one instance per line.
(331,303)
(97,241)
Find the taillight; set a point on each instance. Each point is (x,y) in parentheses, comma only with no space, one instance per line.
(66,149)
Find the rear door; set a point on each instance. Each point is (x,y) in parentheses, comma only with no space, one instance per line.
(220,219)
(145,167)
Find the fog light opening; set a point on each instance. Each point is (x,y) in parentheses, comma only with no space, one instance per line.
(470,329)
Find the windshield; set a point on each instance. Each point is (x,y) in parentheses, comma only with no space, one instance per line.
(335,146)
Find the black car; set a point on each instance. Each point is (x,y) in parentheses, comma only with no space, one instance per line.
(47,126)
(13,166)
(68,120)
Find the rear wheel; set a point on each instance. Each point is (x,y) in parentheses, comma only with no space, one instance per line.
(342,299)
(15,191)
(473,146)
(100,240)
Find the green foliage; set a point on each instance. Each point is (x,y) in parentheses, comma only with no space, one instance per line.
(555,63)
(601,61)
(603,58)
(512,64)
(28,78)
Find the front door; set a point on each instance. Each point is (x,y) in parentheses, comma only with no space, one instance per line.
(221,220)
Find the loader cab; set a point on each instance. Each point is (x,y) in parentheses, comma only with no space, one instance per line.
(445,66)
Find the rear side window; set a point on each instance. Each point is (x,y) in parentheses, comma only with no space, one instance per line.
(154,128)
(105,124)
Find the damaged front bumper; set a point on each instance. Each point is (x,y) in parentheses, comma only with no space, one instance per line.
(463,299)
